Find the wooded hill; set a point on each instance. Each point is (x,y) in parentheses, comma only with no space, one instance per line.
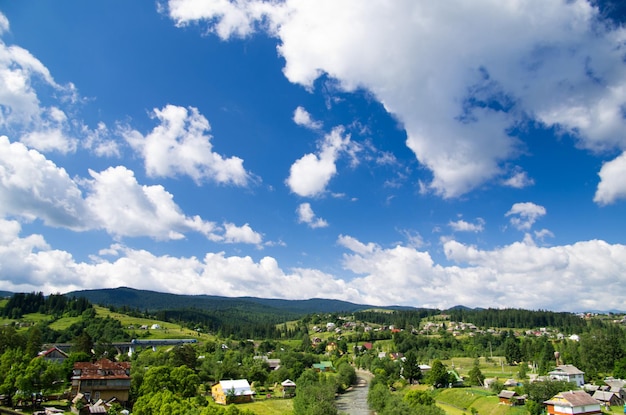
(152,301)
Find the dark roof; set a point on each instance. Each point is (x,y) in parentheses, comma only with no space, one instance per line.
(507,394)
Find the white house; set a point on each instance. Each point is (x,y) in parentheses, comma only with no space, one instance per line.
(569,373)
(573,403)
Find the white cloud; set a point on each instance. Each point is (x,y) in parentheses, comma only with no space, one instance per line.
(181,145)
(464,226)
(125,208)
(577,276)
(98,140)
(519,180)
(21,112)
(612,185)
(460,77)
(524,215)
(241,234)
(4,24)
(567,272)
(309,175)
(303,118)
(33,187)
(306,215)
(29,264)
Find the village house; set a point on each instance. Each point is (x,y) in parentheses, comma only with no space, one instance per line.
(511,398)
(569,373)
(576,402)
(103,379)
(324,366)
(232,391)
(607,398)
(289,388)
(53,355)
(273,364)
(617,386)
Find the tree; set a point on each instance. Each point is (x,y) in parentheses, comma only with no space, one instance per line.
(619,369)
(185,381)
(378,396)
(475,376)
(416,397)
(539,392)
(155,379)
(523,370)
(83,343)
(185,355)
(315,395)
(163,402)
(512,351)
(439,376)
(410,367)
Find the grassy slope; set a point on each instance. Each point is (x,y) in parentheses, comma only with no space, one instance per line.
(167,330)
(457,401)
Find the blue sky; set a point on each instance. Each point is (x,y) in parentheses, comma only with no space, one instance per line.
(383,153)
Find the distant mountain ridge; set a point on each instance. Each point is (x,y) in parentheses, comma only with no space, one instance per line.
(146,300)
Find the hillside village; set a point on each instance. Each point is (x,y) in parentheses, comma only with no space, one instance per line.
(424,359)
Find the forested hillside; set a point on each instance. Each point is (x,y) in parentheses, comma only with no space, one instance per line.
(153,301)
(239,342)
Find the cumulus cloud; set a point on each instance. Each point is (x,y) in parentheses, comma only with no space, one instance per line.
(567,271)
(464,226)
(126,208)
(21,111)
(309,175)
(306,215)
(29,264)
(519,180)
(241,234)
(524,215)
(181,145)
(460,77)
(612,185)
(33,187)
(303,118)
(517,275)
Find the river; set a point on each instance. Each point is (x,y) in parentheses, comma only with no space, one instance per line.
(354,401)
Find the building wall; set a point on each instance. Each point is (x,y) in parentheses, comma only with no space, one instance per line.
(567,410)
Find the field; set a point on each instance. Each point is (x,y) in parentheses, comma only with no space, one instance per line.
(496,368)
(276,406)
(459,401)
(166,331)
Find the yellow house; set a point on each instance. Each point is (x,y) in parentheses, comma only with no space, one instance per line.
(232,391)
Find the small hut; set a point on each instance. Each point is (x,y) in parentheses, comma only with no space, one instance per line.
(289,388)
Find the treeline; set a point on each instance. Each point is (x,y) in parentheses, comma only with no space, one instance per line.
(518,318)
(236,323)
(398,318)
(54,304)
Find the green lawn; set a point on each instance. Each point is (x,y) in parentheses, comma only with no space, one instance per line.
(274,406)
